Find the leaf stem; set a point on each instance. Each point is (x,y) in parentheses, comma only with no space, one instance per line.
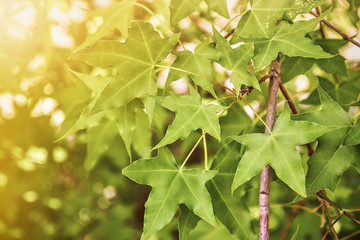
(205,150)
(219,99)
(257,115)
(331,227)
(192,150)
(223,111)
(331,224)
(196,74)
(230,21)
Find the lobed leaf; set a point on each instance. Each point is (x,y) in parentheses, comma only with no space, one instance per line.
(190,115)
(278,150)
(134,60)
(172,186)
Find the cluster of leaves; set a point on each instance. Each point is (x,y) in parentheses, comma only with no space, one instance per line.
(135,63)
(117,107)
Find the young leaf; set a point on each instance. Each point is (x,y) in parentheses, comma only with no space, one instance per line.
(191,114)
(198,62)
(134,60)
(238,60)
(171,187)
(228,208)
(278,150)
(322,173)
(260,20)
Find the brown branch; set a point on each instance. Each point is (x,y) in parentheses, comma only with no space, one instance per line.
(229,34)
(351,217)
(330,25)
(331,223)
(264,194)
(288,99)
(264,78)
(294,111)
(331,227)
(321,26)
(291,219)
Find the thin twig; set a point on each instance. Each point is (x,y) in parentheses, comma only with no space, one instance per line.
(264,78)
(329,219)
(344,36)
(351,235)
(288,99)
(331,227)
(229,34)
(227,108)
(351,217)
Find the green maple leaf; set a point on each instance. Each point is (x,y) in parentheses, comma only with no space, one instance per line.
(260,20)
(344,92)
(278,150)
(229,208)
(183,8)
(290,40)
(294,66)
(330,159)
(191,114)
(198,62)
(237,60)
(117,16)
(171,187)
(134,60)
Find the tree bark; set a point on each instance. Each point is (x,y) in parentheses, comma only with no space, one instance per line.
(264,194)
